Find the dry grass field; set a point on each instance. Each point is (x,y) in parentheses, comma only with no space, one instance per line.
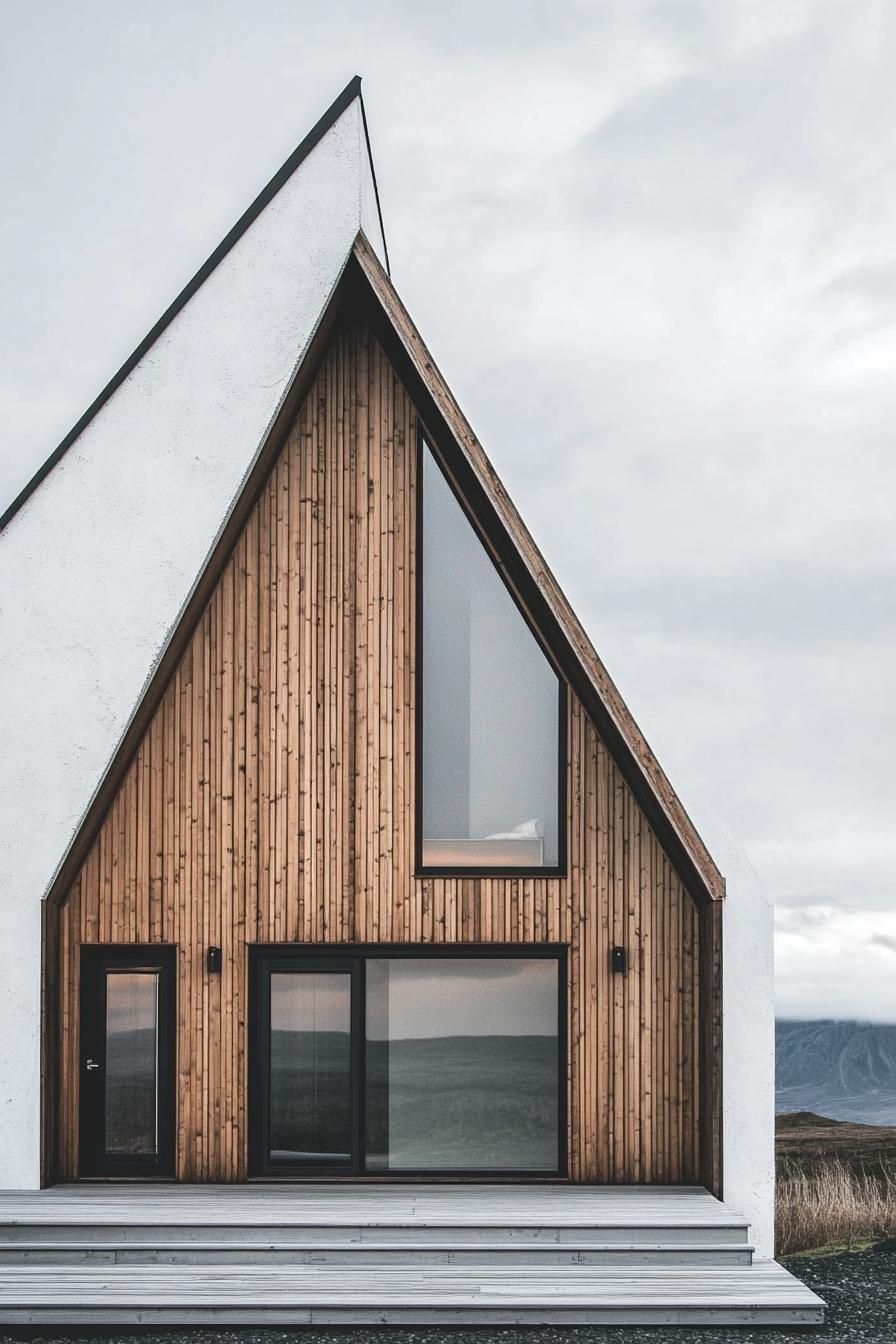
(836,1183)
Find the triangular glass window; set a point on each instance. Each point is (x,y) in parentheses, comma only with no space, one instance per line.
(490,716)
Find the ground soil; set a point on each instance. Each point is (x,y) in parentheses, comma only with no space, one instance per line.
(811,1140)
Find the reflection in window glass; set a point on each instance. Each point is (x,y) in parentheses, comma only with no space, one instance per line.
(132,1063)
(311,1101)
(490,705)
(462,1064)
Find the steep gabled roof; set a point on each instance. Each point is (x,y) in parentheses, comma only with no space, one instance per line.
(100,554)
(106,567)
(366,287)
(349,94)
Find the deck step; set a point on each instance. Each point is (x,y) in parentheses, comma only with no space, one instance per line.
(416,1214)
(248,1236)
(403,1254)
(447,1252)
(407,1294)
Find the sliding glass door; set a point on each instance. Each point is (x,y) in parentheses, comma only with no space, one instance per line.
(408,1061)
(304,1070)
(311,1067)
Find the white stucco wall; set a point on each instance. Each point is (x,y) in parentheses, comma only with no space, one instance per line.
(748,1035)
(749,1058)
(97,566)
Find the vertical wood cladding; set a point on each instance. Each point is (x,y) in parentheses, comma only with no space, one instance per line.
(271,800)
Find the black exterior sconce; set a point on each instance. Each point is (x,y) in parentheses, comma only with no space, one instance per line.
(617,960)
(213,959)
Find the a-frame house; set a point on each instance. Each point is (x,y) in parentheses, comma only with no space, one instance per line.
(340,887)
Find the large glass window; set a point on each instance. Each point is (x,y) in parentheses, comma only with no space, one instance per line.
(462,1064)
(490,706)
(406,1061)
(132,1063)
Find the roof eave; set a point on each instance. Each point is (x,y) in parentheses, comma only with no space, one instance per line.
(339,105)
(586,656)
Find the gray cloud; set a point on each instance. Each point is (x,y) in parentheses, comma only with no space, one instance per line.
(651,246)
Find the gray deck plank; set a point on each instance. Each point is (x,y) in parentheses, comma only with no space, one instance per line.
(341,1205)
(761,1284)
(442,1294)
(384,1264)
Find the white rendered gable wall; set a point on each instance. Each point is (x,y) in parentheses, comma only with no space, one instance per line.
(98,565)
(748,1031)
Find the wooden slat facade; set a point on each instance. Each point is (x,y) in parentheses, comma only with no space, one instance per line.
(271,800)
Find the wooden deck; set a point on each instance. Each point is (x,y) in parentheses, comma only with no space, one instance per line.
(390,1254)
(339,1204)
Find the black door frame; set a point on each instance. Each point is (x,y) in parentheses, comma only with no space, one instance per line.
(96,960)
(265,957)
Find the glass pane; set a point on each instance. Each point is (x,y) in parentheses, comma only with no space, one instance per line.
(311,1102)
(490,705)
(462,1064)
(132,1063)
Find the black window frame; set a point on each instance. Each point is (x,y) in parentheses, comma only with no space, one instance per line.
(267,957)
(426,443)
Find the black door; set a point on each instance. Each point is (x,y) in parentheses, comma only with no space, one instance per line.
(127,1061)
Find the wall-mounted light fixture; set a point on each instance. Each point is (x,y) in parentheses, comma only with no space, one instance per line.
(213,960)
(617,960)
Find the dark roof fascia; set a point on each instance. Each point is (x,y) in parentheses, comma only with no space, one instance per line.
(376,190)
(351,91)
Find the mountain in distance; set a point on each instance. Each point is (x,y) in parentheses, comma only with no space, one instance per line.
(843,1070)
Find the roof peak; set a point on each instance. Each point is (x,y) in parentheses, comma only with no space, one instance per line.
(340,104)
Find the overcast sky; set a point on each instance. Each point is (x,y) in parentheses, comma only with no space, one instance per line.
(653,248)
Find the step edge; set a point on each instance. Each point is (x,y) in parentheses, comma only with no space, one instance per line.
(534,1247)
